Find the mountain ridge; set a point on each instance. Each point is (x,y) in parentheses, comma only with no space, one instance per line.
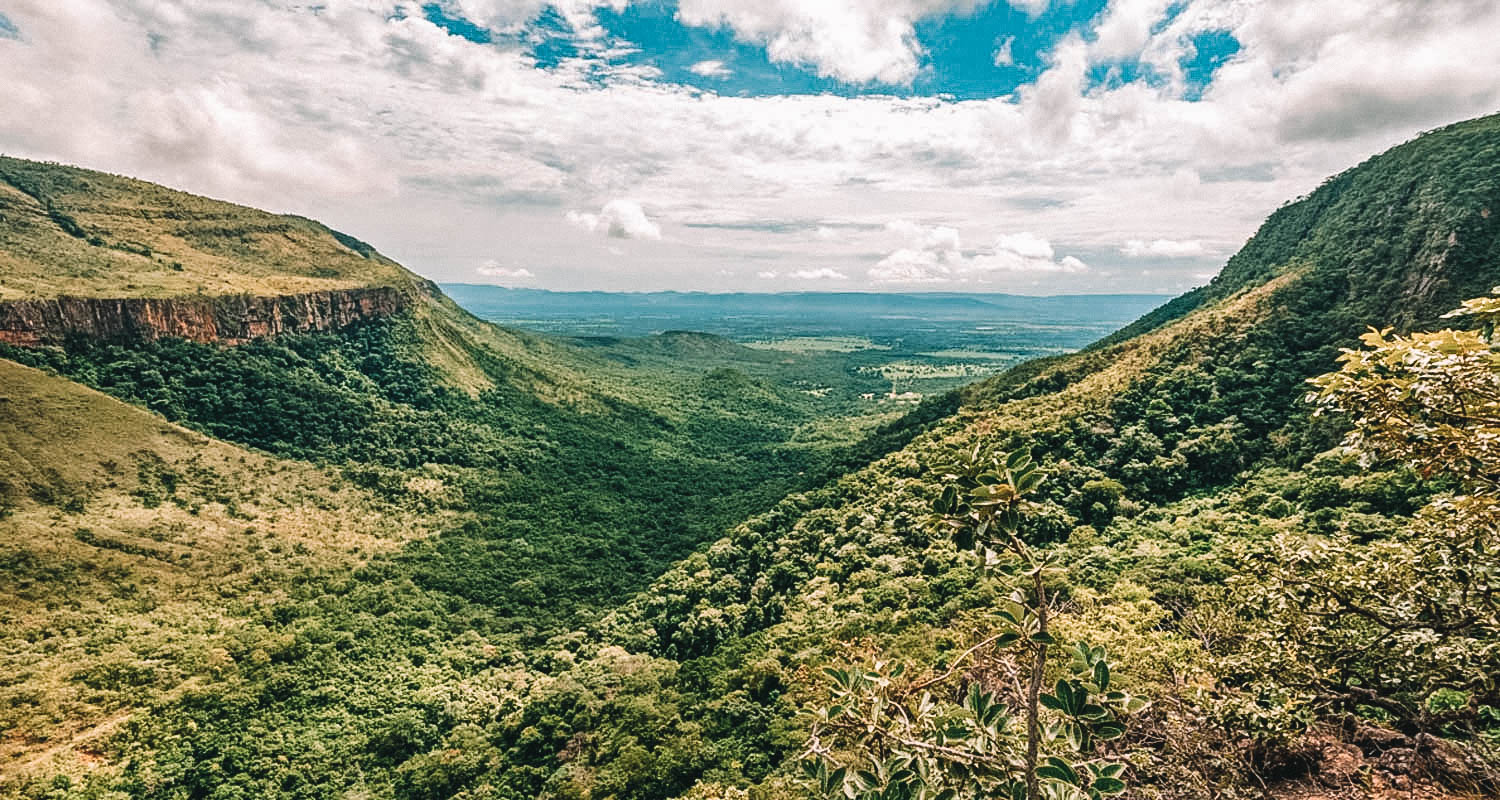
(512,656)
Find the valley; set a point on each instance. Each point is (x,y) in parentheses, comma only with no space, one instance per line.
(257,541)
(920,343)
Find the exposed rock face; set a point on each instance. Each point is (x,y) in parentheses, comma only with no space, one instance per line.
(227,319)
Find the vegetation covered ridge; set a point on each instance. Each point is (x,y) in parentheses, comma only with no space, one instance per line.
(67,231)
(1221,588)
(1177,456)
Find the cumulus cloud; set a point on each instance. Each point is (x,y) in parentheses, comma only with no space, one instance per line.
(819,274)
(619,219)
(511,16)
(445,150)
(1126,28)
(1163,248)
(711,69)
(934,254)
(493,269)
(1024,252)
(857,41)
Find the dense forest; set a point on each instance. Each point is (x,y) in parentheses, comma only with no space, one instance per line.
(1233,550)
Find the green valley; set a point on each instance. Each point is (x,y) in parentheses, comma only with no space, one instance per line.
(350,546)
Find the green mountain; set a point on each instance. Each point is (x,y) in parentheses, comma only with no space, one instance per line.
(516,582)
(283,412)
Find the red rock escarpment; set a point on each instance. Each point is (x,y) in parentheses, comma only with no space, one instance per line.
(227,319)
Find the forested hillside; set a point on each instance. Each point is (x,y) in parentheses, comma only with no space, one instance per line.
(467,482)
(1300,620)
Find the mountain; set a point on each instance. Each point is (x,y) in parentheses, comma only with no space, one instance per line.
(568,569)
(212,417)
(1172,447)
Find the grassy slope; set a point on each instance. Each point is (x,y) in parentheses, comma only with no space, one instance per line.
(123,541)
(78,232)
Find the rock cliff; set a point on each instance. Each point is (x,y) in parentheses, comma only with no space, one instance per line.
(227,319)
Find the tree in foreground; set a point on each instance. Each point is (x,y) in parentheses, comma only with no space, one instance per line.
(945,735)
(1402,628)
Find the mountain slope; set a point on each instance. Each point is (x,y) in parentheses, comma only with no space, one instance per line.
(125,537)
(1171,446)
(70,231)
(328,494)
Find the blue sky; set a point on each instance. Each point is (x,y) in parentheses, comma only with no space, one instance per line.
(987,51)
(1034,146)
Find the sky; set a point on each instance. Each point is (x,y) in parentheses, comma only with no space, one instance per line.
(1030,146)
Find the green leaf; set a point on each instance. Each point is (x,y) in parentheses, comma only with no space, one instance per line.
(1108,785)
(1109,730)
(1059,769)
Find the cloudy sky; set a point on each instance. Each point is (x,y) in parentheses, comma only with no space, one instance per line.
(1034,146)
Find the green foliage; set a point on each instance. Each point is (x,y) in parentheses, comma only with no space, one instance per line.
(639,585)
(1407,623)
(883,737)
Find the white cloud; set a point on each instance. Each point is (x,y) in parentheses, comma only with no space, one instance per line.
(1163,248)
(928,254)
(443,151)
(820,274)
(711,69)
(857,41)
(620,219)
(493,269)
(511,16)
(1024,252)
(934,254)
(1125,28)
(1003,56)
(1031,7)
